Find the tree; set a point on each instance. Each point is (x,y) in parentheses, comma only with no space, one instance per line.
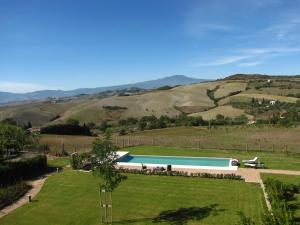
(103,126)
(104,166)
(11,138)
(122,131)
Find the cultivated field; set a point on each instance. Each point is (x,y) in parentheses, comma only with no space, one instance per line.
(73,198)
(228,88)
(225,110)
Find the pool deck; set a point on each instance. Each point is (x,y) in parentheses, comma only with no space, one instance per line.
(176,167)
(250,175)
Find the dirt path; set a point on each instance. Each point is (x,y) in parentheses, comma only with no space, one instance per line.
(253,175)
(36,187)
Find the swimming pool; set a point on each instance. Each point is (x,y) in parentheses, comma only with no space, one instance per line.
(177,162)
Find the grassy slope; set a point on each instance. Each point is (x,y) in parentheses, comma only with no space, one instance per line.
(72,198)
(225,110)
(226,89)
(271,160)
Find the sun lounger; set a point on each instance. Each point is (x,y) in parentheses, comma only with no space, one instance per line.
(251,161)
(255,165)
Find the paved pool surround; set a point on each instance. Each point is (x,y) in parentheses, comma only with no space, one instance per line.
(151,161)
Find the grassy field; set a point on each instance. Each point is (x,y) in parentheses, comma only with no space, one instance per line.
(71,142)
(271,160)
(72,198)
(231,137)
(266,138)
(288,179)
(225,110)
(226,89)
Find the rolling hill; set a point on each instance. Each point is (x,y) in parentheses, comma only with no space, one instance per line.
(227,97)
(172,81)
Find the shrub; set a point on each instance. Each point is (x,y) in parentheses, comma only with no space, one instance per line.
(279,195)
(67,129)
(11,172)
(11,193)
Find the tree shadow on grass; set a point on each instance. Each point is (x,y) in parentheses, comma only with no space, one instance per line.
(178,217)
(183,215)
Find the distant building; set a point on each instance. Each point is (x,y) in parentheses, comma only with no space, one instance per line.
(272,102)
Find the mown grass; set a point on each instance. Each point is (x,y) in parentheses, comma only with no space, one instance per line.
(272,160)
(59,162)
(72,198)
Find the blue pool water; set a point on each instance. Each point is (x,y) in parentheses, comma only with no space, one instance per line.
(173,160)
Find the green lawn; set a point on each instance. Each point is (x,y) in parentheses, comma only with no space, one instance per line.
(72,198)
(59,162)
(288,179)
(272,160)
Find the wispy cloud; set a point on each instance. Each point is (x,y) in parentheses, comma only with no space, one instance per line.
(284,28)
(19,87)
(222,61)
(250,64)
(199,28)
(256,55)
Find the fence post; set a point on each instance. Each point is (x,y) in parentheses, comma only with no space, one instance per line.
(286,149)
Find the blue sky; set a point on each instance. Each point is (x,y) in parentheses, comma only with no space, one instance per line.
(67,44)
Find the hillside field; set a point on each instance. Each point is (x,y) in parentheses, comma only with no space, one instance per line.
(202,99)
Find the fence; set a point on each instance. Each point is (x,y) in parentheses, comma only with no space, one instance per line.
(198,143)
(194,142)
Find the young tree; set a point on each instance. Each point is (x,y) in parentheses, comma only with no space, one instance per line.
(104,164)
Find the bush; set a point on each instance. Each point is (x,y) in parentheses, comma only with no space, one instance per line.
(122,131)
(279,195)
(67,129)
(11,193)
(11,172)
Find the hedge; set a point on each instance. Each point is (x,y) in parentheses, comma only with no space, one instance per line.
(182,174)
(10,172)
(10,194)
(66,129)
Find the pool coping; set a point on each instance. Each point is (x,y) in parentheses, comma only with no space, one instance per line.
(122,154)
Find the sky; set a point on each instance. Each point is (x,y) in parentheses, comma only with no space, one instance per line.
(68,44)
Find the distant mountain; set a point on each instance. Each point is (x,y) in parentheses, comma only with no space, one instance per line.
(174,80)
